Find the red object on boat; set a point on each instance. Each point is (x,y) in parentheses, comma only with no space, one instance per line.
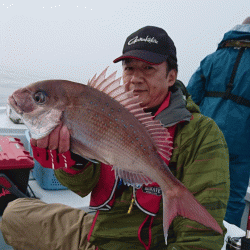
(13,154)
(15,164)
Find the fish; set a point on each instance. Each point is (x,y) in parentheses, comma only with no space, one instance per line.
(107,124)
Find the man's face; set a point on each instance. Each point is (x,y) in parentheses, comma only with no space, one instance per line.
(149,82)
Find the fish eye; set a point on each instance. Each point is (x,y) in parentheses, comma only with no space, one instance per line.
(40,97)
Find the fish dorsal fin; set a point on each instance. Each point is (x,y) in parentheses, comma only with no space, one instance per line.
(96,81)
(158,133)
(122,95)
(110,79)
(161,137)
(112,86)
(90,82)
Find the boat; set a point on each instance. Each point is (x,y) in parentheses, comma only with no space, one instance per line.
(67,197)
(48,195)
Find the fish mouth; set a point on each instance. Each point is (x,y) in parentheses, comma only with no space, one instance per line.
(13,104)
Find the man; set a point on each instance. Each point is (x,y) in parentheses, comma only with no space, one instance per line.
(220,86)
(127,217)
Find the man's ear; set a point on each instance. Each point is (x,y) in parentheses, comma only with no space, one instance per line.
(171,77)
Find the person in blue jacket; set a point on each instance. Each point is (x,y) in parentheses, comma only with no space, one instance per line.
(221,88)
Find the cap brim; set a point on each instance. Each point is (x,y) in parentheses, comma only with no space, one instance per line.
(146,56)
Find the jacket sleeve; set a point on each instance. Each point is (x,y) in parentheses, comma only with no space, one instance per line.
(83,182)
(196,86)
(203,167)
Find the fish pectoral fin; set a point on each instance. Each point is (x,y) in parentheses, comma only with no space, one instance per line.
(78,148)
(187,206)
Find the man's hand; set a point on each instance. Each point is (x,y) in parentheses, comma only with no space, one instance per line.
(52,151)
(58,139)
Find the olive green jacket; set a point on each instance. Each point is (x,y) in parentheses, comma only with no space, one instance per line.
(200,161)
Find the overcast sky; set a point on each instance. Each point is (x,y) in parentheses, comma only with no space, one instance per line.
(74,39)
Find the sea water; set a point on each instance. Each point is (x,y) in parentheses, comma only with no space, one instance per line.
(11,79)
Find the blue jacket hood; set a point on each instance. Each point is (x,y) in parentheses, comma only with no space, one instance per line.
(234,35)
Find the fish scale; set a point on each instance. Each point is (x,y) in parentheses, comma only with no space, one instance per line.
(107,124)
(108,135)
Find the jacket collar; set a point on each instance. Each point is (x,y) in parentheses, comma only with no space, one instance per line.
(173,110)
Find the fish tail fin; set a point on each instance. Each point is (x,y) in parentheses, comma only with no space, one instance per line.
(187,206)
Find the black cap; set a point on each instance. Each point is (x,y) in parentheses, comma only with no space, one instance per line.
(150,44)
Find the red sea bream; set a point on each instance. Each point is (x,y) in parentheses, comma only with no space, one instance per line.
(107,124)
